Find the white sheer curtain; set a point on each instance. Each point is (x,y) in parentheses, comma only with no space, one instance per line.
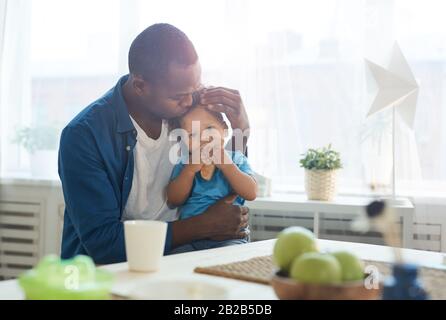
(2,36)
(300,68)
(15,80)
(58,57)
(298,64)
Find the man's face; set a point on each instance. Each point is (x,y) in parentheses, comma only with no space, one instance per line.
(173,96)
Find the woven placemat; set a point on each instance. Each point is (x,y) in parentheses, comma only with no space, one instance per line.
(260,269)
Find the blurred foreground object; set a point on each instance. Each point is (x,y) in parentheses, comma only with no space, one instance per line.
(71,279)
(404,283)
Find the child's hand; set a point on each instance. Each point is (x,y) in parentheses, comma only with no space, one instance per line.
(193,168)
(223,158)
(215,153)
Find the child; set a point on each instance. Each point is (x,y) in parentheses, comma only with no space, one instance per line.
(195,187)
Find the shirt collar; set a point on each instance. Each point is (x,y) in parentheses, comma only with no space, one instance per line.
(124,122)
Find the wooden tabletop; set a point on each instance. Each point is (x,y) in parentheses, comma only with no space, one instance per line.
(181,266)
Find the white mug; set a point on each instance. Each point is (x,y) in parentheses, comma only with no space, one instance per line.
(144,244)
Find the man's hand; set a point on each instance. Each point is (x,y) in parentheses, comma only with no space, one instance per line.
(225,220)
(229,102)
(221,221)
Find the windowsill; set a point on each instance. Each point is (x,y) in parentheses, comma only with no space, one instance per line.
(29,181)
(427,191)
(289,200)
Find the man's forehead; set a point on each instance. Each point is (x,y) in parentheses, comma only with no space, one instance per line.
(184,79)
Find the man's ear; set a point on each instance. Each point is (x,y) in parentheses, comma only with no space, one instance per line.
(140,85)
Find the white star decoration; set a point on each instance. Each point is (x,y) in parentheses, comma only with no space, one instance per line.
(397,87)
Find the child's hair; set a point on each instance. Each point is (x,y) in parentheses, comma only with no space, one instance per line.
(175,123)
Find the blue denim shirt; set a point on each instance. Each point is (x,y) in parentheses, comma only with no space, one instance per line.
(96,170)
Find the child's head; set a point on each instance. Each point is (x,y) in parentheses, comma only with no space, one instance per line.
(211,125)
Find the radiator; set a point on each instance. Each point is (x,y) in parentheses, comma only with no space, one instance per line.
(428,236)
(266,224)
(20,237)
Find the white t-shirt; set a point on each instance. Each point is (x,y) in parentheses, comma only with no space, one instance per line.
(152,170)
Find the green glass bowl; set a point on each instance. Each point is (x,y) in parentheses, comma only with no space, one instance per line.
(36,289)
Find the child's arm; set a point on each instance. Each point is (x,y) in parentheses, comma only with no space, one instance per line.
(243,184)
(178,190)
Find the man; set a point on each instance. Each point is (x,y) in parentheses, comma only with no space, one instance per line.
(113,157)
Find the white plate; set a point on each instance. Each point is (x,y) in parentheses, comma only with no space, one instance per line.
(178,289)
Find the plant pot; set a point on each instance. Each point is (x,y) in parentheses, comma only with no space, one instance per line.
(321,184)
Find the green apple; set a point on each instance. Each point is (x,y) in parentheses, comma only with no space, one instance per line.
(291,243)
(352,267)
(316,268)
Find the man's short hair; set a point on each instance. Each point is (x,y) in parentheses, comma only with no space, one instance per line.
(154,49)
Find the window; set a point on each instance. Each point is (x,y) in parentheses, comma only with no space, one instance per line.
(298,64)
(68,56)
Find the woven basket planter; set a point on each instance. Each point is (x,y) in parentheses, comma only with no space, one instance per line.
(321,184)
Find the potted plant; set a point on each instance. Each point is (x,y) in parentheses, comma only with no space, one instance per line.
(321,167)
(41,143)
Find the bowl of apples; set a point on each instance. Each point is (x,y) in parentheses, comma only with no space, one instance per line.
(304,273)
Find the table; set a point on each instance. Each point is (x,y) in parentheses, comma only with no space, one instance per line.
(182,265)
